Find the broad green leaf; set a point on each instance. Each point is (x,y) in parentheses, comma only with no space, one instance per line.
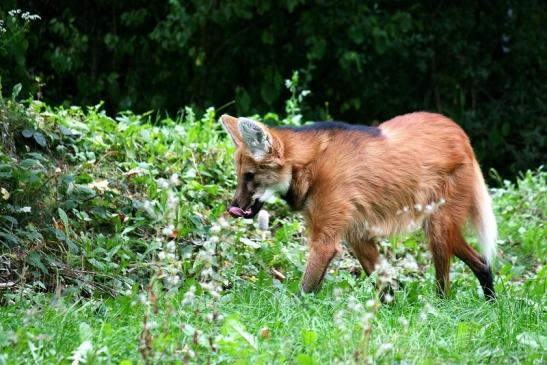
(64,217)
(309,337)
(27,133)
(16,90)
(305,359)
(9,239)
(40,139)
(35,259)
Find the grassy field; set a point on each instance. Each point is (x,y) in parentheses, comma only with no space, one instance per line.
(270,324)
(128,257)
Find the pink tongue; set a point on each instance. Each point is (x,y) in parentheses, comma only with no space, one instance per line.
(237,212)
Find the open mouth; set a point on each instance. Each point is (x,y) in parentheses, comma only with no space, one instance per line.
(248,213)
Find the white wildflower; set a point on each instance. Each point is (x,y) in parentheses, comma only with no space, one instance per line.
(212,289)
(223,222)
(174,180)
(162,183)
(189,296)
(409,263)
(208,272)
(367,322)
(383,349)
(143,298)
(386,273)
(404,323)
(168,230)
(170,246)
(172,281)
(354,305)
(338,319)
(79,356)
(148,207)
(263,220)
(337,293)
(427,310)
(151,325)
(418,207)
(388,298)
(172,201)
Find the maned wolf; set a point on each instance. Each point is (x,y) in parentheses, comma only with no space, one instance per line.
(359,183)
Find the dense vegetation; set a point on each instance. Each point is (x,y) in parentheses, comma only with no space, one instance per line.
(481,63)
(115,248)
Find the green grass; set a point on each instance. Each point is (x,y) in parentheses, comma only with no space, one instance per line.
(329,328)
(127,258)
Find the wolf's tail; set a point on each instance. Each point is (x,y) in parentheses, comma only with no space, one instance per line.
(482,216)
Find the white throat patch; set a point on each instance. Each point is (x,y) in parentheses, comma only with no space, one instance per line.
(279,188)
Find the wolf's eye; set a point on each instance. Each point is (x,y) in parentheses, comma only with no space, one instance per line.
(249,176)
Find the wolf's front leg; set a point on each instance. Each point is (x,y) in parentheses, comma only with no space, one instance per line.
(327,216)
(321,254)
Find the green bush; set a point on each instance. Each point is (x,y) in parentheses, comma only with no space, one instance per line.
(95,203)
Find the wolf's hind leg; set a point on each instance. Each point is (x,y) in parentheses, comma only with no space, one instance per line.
(478,265)
(366,251)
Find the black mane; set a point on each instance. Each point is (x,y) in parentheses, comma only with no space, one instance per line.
(333,125)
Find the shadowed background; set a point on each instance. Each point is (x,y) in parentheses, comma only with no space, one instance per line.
(482,63)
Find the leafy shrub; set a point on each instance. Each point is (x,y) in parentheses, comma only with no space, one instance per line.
(94,203)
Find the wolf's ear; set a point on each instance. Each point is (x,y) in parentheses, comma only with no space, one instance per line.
(255,137)
(230,125)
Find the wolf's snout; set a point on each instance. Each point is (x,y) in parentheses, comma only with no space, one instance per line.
(235,211)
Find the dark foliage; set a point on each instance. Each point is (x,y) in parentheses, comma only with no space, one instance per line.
(481,63)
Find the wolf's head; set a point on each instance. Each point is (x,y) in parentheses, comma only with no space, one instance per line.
(260,165)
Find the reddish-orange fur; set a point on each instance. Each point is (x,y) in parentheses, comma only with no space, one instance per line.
(419,172)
